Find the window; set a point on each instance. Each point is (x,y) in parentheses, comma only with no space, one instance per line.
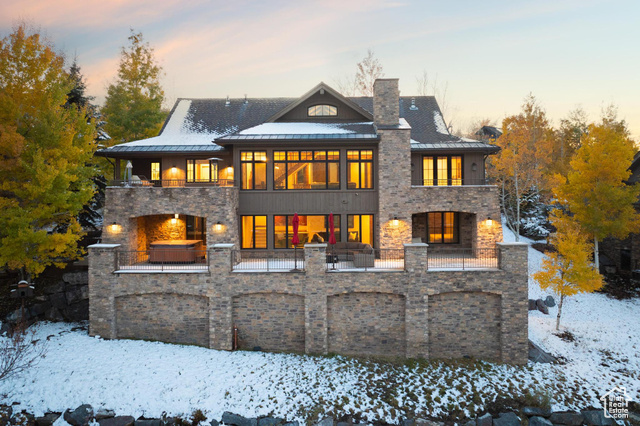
(442,228)
(442,170)
(360,228)
(360,169)
(253,169)
(322,111)
(202,171)
(306,170)
(254,232)
(195,228)
(155,170)
(311,229)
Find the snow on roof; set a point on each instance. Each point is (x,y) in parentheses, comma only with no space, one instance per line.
(441,127)
(180,130)
(302,129)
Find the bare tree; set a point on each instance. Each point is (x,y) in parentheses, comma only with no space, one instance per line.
(346,85)
(18,353)
(425,86)
(368,70)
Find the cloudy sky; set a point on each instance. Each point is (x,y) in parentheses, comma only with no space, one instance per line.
(490,54)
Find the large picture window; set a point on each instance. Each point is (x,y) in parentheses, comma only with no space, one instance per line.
(254,232)
(443,228)
(202,171)
(442,170)
(253,169)
(360,169)
(360,228)
(306,169)
(311,229)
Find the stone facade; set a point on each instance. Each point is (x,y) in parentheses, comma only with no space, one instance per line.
(357,313)
(143,214)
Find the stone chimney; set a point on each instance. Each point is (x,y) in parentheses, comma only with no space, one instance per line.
(386,99)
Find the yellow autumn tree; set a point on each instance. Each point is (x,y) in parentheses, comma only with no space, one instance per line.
(45,149)
(568,271)
(596,191)
(518,168)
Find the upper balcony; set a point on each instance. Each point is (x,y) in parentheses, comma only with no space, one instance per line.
(449,182)
(142,182)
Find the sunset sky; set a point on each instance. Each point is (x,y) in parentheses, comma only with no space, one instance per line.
(491,54)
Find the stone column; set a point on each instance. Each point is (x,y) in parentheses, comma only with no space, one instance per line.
(416,309)
(220,304)
(415,257)
(515,314)
(102,280)
(315,316)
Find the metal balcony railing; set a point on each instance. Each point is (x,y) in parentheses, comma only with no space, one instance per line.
(162,260)
(448,182)
(463,258)
(142,182)
(368,259)
(268,260)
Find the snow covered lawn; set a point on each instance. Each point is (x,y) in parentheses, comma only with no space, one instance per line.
(148,378)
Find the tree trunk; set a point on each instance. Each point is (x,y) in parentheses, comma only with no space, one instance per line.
(596,253)
(515,175)
(559,312)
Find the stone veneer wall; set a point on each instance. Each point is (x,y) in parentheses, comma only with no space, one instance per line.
(134,211)
(337,305)
(398,199)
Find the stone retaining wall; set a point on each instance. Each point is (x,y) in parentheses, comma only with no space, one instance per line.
(357,313)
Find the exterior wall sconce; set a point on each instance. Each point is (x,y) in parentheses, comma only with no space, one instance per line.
(218,227)
(489,221)
(174,169)
(175,219)
(114,227)
(395,222)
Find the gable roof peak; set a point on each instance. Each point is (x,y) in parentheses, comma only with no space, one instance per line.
(325,88)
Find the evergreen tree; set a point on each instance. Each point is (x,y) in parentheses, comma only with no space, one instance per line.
(45,150)
(595,190)
(568,271)
(133,107)
(90,216)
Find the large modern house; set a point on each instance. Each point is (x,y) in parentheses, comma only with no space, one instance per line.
(199,222)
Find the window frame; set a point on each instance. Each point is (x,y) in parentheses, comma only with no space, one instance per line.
(435,169)
(286,163)
(456,225)
(211,167)
(159,163)
(322,108)
(253,235)
(360,161)
(288,237)
(253,163)
(373,227)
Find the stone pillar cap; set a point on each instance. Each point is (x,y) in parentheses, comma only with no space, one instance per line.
(104,246)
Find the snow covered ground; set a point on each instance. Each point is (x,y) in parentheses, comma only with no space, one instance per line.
(150,378)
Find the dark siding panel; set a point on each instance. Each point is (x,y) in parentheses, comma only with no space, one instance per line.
(316,202)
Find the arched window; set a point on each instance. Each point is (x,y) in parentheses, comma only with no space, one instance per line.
(322,111)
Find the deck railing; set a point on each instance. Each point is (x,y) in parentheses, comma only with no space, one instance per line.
(448,182)
(364,259)
(463,258)
(162,260)
(142,182)
(268,260)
